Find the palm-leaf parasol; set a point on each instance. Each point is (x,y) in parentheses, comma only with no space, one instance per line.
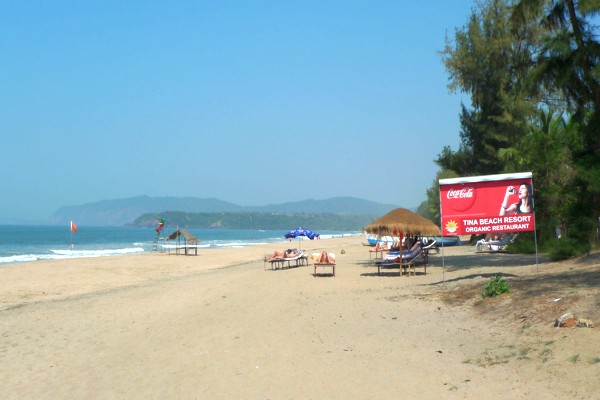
(403,221)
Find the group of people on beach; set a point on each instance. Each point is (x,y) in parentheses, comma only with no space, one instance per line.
(323,258)
(407,243)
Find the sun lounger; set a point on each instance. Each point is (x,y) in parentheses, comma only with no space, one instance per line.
(494,245)
(395,254)
(318,258)
(404,261)
(431,246)
(296,261)
(380,248)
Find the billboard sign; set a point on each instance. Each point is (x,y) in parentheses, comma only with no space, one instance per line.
(487,204)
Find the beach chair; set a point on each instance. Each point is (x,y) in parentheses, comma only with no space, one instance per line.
(405,260)
(395,254)
(299,259)
(490,246)
(324,260)
(431,246)
(380,248)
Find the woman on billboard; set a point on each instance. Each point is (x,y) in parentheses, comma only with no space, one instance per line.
(525,203)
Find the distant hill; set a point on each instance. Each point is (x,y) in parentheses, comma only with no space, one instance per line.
(256,220)
(120,212)
(336,205)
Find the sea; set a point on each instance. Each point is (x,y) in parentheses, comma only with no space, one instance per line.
(30,243)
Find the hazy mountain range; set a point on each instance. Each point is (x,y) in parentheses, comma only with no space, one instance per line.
(119,212)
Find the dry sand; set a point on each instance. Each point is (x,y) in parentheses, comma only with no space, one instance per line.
(220,326)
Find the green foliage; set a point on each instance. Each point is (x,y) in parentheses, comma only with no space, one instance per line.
(424,211)
(523,244)
(433,196)
(496,286)
(581,222)
(574,358)
(489,59)
(545,151)
(531,69)
(568,64)
(565,248)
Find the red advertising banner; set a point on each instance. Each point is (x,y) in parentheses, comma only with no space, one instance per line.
(487,204)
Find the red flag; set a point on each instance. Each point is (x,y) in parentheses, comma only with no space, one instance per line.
(73,227)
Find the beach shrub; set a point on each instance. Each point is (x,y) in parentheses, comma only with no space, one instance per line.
(565,248)
(496,286)
(523,244)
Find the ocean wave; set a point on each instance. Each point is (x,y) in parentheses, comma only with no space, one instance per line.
(237,244)
(62,254)
(174,246)
(50,243)
(96,253)
(19,258)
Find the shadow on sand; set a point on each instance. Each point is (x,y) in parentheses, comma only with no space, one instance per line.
(580,272)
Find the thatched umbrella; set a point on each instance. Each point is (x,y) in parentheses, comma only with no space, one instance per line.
(189,241)
(187,237)
(405,222)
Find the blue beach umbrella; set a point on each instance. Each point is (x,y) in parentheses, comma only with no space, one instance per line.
(298,232)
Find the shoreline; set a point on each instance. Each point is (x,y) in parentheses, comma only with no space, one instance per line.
(218,325)
(119,241)
(82,274)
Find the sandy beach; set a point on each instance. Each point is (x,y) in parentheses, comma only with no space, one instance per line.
(221,326)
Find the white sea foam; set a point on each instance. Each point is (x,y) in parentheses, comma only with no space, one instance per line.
(19,258)
(237,244)
(31,243)
(174,246)
(62,254)
(95,253)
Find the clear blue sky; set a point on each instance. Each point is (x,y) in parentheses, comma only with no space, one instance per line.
(255,102)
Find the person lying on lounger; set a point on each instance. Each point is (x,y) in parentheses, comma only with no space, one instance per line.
(291,253)
(280,255)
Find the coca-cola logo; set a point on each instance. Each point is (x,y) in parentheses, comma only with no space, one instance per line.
(461,199)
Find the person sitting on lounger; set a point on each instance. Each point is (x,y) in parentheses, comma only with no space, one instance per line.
(404,244)
(410,243)
(495,247)
(326,258)
(381,246)
(404,250)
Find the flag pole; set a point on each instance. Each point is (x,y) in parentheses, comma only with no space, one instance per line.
(73,230)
